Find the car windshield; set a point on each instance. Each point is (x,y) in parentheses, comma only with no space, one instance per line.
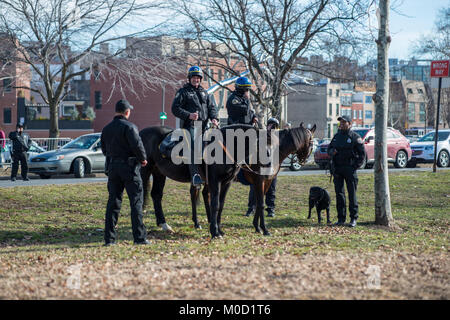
(361,132)
(83,142)
(430,137)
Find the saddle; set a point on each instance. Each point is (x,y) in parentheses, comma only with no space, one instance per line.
(166,146)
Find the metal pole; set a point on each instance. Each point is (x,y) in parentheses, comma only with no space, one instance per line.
(163,101)
(437,124)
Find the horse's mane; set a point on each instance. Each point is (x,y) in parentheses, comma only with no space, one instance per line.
(299,136)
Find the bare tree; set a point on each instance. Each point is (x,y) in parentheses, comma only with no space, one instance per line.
(436,44)
(383,213)
(54,36)
(269,36)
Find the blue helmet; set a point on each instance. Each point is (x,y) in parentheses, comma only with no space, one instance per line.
(195,71)
(273,121)
(243,83)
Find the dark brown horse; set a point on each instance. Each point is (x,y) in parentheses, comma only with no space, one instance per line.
(218,176)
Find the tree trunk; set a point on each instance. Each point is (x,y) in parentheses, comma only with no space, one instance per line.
(383,214)
(54,129)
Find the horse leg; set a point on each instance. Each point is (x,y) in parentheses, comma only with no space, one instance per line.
(223,193)
(159,181)
(146,172)
(214,190)
(207,201)
(259,213)
(195,192)
(264,186)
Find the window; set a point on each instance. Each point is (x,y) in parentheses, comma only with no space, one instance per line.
(355,114)
(411,112)
(420,91)
(368,114)
(67,110)
(368,99)
(7,115)
(330,109)
(422,112)
(7,85)
(337,92)
(330,92)
(98,99)
(337,109)
(329,131)
(409,90)
(360,114)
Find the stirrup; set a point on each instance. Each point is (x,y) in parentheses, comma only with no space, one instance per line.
(197,180)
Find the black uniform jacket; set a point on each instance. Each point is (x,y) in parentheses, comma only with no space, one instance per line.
(239,110)
(190,100)
(349,147)
(20,142)
(120,140)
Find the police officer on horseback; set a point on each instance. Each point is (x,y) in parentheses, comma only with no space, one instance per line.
(238,104)
(192,103)
(123,147)
(347,152)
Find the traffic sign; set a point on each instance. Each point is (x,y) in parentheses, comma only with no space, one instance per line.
(162,115)
(440,69)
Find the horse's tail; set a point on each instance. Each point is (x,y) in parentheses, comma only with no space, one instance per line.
(146,172)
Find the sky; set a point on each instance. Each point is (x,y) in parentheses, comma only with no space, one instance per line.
(417,17)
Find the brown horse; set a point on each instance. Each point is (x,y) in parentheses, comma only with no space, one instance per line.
(218,176)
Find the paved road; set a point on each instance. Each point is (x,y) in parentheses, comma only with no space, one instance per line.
(69,179)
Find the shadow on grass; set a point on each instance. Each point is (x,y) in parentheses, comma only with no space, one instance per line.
(75,237)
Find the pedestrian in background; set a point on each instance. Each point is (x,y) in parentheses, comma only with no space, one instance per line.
(21,143)
(2,146)
(122,145)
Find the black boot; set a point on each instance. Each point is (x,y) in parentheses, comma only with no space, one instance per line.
(270,212)
(250,211)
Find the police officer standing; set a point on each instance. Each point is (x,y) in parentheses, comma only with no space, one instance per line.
(238,104)
(347,153)
(272,124)
(123,147)
(192,103)
(21,143)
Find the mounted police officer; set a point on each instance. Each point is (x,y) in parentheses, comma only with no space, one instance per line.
(192,103)
(238,104)
(272,124)
(123,147)
(21,143)
(347,153)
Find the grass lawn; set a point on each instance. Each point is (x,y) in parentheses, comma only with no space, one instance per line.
(51,246)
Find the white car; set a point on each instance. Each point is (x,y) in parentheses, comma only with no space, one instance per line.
(423,149)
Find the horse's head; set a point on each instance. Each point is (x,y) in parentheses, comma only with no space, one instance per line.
(303,140)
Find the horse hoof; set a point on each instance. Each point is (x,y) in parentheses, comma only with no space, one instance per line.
(257,231)
(165,227)
(197,226)
(267,233)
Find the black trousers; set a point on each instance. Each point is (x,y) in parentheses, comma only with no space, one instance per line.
(270,196)
(22,158)
(348,175)
(123,176)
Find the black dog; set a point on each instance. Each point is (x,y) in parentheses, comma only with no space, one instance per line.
(320,199)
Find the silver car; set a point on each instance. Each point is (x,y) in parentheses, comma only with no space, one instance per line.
(80,157)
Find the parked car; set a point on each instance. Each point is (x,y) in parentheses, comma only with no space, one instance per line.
(81,156)
(423,149)
(398,149)
(35,149)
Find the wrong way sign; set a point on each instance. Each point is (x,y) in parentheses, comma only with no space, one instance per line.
(440,69)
